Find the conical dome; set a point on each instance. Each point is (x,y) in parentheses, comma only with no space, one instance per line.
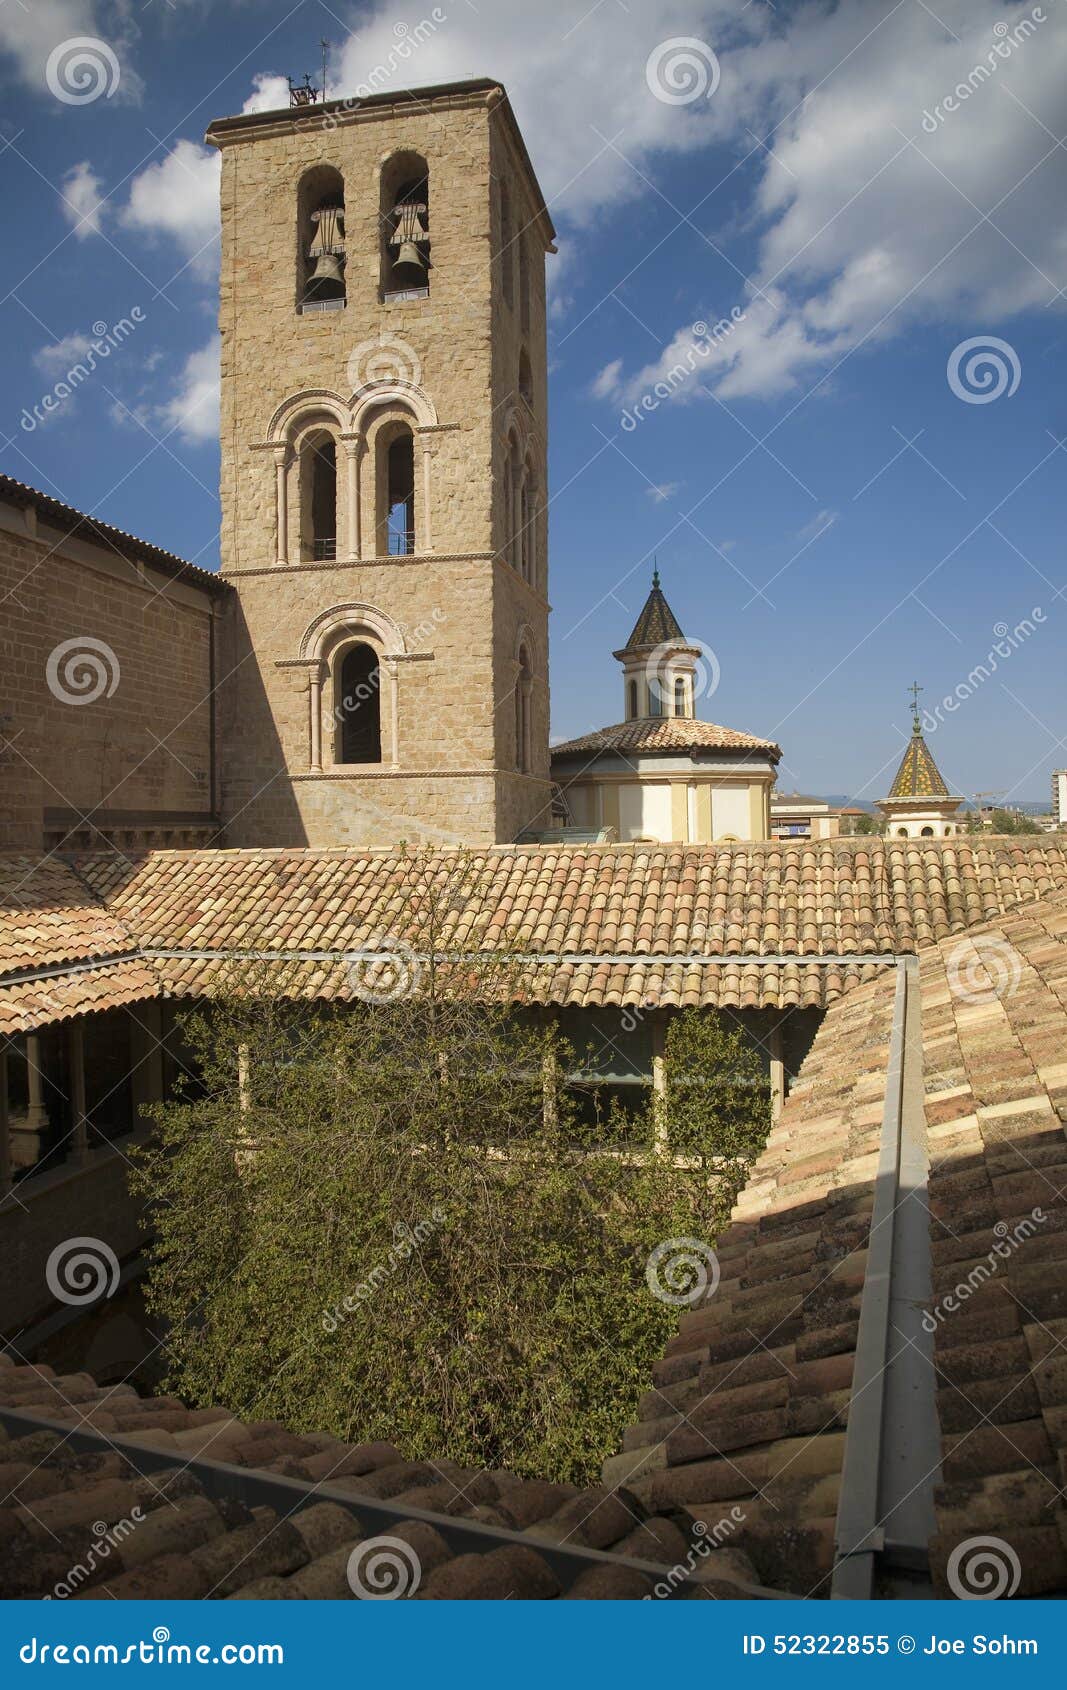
(656,623)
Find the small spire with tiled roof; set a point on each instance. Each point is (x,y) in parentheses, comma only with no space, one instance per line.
(919,805)
(918,775)
(657,622)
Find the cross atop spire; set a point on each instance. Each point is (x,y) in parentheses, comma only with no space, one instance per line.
(915,689)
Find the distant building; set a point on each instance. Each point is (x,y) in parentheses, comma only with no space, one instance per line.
(661,774)
(795,815)
(851,815)
(919,805)
(1059,797)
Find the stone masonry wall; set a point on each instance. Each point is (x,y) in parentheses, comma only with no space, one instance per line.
(143,744)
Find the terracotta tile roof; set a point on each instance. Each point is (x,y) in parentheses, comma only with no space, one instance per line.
(748,1406)
(470,1534)
(51,927)
(750,1403)
(572,908)
(657,622)
(741,1435)
(994,1011)
(647,734)
(48,915)
(918,775)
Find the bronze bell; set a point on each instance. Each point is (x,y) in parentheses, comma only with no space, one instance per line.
(327,269)
(407,233)
(408,253)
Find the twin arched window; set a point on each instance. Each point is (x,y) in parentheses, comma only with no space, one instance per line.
(522,513)
(343,494)
(523,691)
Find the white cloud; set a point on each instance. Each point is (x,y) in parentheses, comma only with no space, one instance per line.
(193,409)
(31,31)
(81,201)
(179,197)
(606,383)
(56,359)
(270,93)
(575,76)
(820,522)
(859,232)
(664,491)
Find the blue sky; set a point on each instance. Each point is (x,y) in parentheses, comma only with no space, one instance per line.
(833,516)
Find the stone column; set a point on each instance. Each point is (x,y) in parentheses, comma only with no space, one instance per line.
(76,1053)
(661,1131)
(424,530)
(775,1045)
(5,1137)
(281,499)
(353,445)
(36,1113)
(315,707)
(146,1052)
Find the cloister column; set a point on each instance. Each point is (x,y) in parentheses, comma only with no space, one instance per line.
(661,1132)
(775,1045)
(76,1054)
(5,1137)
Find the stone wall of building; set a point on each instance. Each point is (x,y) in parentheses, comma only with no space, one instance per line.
(106,703)
(451,614)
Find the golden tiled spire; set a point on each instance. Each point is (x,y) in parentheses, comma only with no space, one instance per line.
(918,775)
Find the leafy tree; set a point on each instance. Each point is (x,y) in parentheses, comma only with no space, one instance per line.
(866,824)
(386,1218)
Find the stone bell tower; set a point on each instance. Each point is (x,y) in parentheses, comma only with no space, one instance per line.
(384,472)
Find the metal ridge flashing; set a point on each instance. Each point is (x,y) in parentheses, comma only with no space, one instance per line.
(222,1480)
(885,1515)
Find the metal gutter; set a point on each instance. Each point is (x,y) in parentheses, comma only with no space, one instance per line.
(82,965)
(222,1481)
(883,959)
(891,1465)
